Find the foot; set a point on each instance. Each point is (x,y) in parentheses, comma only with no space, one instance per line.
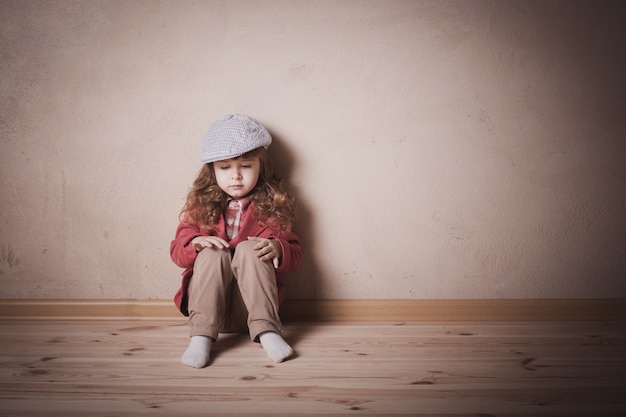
(275,346)
(198,352)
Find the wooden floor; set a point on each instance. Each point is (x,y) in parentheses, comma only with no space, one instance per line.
(132,368)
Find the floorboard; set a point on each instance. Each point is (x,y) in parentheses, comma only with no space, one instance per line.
(132,368)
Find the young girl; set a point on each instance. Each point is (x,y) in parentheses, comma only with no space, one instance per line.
(235,241)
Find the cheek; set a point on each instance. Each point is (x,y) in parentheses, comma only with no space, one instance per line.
(254,177)
(220,178)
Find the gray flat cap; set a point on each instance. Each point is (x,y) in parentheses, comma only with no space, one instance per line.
(232,136)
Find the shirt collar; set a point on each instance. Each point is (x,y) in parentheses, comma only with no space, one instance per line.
(244,202)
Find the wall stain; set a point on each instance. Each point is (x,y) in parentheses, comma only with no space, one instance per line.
(9,259)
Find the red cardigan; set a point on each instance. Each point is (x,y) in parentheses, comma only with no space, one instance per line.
(184,254)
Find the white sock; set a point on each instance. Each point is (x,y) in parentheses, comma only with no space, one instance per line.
(198,351)
(275,346)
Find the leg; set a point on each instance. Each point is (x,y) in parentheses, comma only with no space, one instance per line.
(212,275)
(236,317)
(256,281)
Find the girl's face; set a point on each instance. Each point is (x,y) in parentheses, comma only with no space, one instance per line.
(237,177)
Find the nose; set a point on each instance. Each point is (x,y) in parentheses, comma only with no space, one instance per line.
(237,174)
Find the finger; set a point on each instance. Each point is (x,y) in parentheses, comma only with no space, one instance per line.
(218,243)
(262,243)
(263,253)
(276,246)
(224,243)
(268,258)
(209,243)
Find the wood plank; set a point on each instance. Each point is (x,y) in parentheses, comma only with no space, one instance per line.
(126,367)
(336,310)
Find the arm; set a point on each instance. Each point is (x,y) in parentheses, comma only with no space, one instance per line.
(291,253)
(182,251)
(283,249)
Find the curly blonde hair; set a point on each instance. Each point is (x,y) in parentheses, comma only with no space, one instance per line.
(273,205)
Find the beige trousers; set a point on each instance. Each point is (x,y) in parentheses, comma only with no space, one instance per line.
(235,294)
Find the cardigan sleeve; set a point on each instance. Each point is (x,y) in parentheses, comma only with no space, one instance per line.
(182,252)
(292,252)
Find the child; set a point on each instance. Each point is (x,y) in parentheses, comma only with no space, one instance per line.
(234,241)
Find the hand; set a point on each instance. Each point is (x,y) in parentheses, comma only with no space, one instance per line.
(268,249)
(202,242)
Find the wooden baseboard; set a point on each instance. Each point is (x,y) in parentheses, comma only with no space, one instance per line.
(336,310)
(88,309)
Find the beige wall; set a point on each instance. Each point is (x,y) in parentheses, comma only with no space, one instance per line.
(439,149)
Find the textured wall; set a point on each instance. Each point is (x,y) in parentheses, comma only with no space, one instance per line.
(466,149)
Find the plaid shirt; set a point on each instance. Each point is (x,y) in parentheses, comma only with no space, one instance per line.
(234,213)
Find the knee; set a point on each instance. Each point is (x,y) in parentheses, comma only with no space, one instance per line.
(210,265)
(212,255)
(245,254)
(245,249)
